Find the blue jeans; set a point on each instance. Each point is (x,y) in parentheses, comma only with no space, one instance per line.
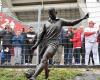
(65,55)
(70,50)
(77,52)
(7,57)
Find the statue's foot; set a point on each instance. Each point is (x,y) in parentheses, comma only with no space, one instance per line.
(47,74)
(32,78)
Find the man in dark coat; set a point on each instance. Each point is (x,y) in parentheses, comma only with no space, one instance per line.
(7,35)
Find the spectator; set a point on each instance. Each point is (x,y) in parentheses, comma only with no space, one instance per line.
(17,41)
(77,45)
(6,36)
(91,43)
(69,44)
(62,41)
(30,41)
(83,45)
(24,46)
(83,48)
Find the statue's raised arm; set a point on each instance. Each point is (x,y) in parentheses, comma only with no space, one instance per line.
(74,22)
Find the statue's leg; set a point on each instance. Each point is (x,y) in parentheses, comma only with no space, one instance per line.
(42,51)
(47,55)
(46,66)
(30,72)
(46,71)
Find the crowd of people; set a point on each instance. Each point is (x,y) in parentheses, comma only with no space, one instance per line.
(81,44)
(16,46)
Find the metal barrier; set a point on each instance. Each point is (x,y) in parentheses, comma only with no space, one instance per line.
(62,57)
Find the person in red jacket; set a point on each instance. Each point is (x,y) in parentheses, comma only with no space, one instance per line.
(81,29)
(77,44)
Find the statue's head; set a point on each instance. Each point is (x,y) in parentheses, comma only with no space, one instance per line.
(52,13)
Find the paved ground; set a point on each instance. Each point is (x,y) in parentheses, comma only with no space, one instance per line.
(89,75)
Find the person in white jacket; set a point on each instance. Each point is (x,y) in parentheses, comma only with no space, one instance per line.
(91,44)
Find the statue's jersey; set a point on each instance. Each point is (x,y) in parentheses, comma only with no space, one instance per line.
(53,29)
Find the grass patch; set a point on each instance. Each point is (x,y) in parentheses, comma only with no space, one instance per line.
(55,74)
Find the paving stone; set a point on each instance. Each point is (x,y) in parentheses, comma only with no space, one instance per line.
(88,75)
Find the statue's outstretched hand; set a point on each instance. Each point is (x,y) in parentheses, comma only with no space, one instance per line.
(86,16)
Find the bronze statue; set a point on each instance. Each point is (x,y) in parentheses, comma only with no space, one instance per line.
(48,38)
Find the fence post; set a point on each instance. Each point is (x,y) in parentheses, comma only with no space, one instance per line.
(39,25)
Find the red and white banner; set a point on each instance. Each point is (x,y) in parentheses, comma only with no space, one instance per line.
(14,24)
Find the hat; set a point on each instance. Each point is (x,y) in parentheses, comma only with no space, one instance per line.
(91,22)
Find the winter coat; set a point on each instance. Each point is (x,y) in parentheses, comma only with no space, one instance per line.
(77,42)
(17,41)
